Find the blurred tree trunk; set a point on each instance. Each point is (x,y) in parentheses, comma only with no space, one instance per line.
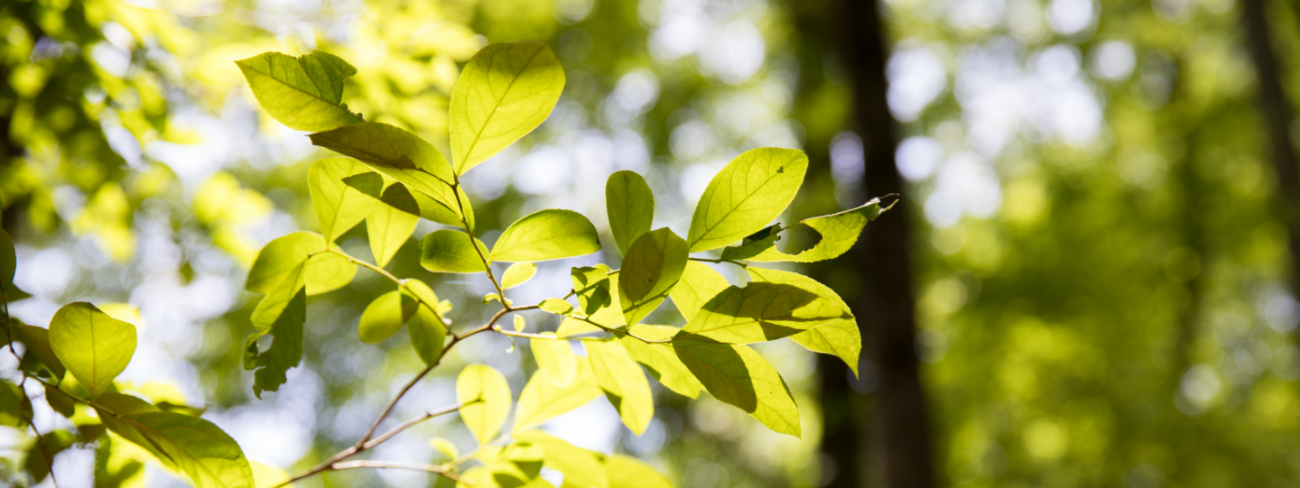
(1276,111)
(884,442)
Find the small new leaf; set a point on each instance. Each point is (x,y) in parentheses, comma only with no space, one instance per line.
(556,306)
(93,346)
(630,206)
(504,92)
(303,93)
(518,274)
(547,234)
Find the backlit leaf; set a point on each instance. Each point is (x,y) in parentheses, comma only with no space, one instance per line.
(737,375)
(652,266)
(556,306)
(518,274)
(698,284)
(428,333)
(280,314)
(343,191)
(660,359)
(555,360)
(93,346)
(840,337)
(547,234)
(623,382)
(839,232)
(325,271)
(391,223)
(630,206)
(504,92)
(580,467)
(449,251)
(541,400)
(303,93)
(484,417)
(14,406)
(187,445)
(385,316)
(751,191)
(762,312)
(629,472)
(37,341)
(598,297)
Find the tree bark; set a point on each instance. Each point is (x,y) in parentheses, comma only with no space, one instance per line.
(898,452)
(1276,111)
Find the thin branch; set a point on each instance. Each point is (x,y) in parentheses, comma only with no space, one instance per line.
(433,307)
(706,260)
(614,331)
(487,265)
(429,468)
(421,418)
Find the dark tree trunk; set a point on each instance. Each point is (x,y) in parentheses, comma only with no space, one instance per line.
(1276,111)
(884,442)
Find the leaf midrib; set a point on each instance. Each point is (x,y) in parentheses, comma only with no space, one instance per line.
(708,229)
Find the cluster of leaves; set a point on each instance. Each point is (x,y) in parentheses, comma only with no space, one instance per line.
(392,178)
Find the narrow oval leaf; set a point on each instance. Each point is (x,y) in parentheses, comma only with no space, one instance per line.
(325,271)
(556,306)
(504,92)
(660,359)
(343,191)
(555,360)
(518,274)
(698,284)
(761,312)
(652,266)
(541,400)
(629,472)
(547,234)
(491,396)
(428,333)
(747,195)
(623,382)
(280,314)
(840,337)
(737,375)
(402,156)
(391,222)
(449,251)
(188,445)
(93,346)
(385,316)
(303,93)
(839,233)
(598,297)
(630,206)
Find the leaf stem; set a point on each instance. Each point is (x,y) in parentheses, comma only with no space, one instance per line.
(433,307)
(707,260)
(487,265)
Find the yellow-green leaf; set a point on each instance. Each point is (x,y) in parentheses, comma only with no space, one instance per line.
(630,206)
(623,382)
(580,467)
(325,271)
(547,234)
(37,341)
(555,359)
(385,316)
(303,93)
(698,284)
(490,394)
(598,297)
(449,251)
(541,400)
(660,359)
(838,234)
(737,375)
(652,266)
(518,274)
(762,311)
(840,337)
(629,472)
(504,92)
(391,222)
(280,314)
(187,445)
(93,346)
(751,191)
(428,333)
(343,191)
(556,306)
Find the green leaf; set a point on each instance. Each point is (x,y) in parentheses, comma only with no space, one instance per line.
(15,408)
(59,402)
(737,375)
(484,417)
(698,284)
(541,400)
(280,314)
(571,327)
(93,346)
(556,306)
(751,191)
(50,444)
(343,191)
(504,92)
(555,360)
(660,359)
(325,272)
(443,214)
(303,93)
(762,312)
(840,337)
(37,341)
(8,260)
(391,223)
(839,232)
(449,251)
(580,467)
(630,206)
(518,274)
(187,445)
(629,472)
(624,383)
(547,234)
(402,156)
(428,333)
(652,266)
(598,297)
(385,316)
